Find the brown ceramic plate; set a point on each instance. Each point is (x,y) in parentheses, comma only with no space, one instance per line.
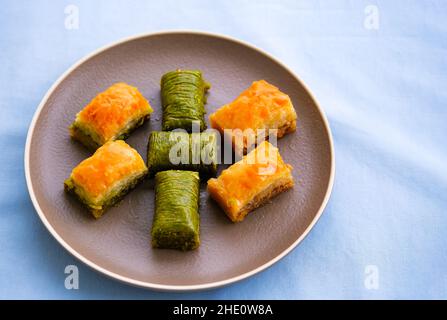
(118,244)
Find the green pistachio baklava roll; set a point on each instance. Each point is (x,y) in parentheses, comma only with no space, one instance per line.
(183,94)
(176,221)
(183,151)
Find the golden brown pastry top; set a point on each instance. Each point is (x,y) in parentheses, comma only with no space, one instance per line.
(262,105)
(110,111)
(246,178)
(112,162)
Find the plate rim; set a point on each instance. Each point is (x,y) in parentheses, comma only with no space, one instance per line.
(157,286)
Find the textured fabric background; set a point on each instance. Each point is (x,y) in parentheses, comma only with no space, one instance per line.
(379,70)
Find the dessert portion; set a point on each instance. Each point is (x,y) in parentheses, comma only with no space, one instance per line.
(183,99)
(102,180)
(176,221)
(252,181)
(261,106)
(111,115)
(182,151)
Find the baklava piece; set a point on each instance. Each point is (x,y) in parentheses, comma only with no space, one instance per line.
(111,115)
(183,96)
(102,180)
(176,221)
(249,183)
(169,150)
(261,106)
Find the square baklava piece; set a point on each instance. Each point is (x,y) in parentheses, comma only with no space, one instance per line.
(261,106)
(111,115)
(102,180)
(251,182)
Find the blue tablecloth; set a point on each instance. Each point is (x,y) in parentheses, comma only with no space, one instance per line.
(378,68)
